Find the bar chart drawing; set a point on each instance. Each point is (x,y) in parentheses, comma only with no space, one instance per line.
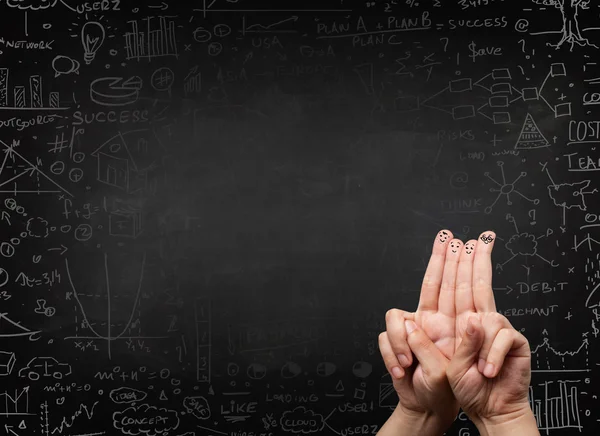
(157,41)
(557,407)
(15,405)
(26,97)
(202,320)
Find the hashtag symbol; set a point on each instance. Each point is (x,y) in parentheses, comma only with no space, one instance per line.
(59,143)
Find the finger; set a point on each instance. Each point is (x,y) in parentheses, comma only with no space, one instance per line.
(494,323)
(396,333)
(483,296)
(405,314)
(464,279)
(435,269)
(429,356)
(467,352)
(389,358)
(508,340)
(446,301)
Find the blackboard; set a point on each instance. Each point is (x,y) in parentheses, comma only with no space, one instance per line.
(207,207)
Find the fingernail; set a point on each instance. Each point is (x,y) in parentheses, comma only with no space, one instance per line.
(470,327)
(481,365)
(403,360)
(397,372)
(489,370)
(410,326)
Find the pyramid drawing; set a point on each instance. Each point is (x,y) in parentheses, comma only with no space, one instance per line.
(19,176)
(530,136)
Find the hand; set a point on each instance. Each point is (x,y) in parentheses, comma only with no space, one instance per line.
(421,383)
(491,368)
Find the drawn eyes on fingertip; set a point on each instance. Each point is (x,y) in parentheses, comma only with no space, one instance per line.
(443,236)
(469,247)
(487,238)
(455,246)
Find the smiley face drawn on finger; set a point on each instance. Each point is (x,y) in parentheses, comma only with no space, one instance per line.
(455,246)
(443,236)
(469,247)
(487,239)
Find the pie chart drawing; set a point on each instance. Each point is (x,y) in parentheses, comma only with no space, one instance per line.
(362,369)
(325,369)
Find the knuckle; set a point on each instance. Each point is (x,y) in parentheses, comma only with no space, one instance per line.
(498,317)
(438,376)
(389,315)
(448,285)
(421,342)
(498,321)
(397,336)
(430,283)
(463,286)
(480,285)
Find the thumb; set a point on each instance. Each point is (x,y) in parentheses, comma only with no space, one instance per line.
(431,359)
(468,350)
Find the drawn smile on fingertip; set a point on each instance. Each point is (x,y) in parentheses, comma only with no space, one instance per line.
(487,239)
(455,246)
(443,235)
(469,248)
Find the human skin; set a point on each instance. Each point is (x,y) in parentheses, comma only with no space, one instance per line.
(486,363)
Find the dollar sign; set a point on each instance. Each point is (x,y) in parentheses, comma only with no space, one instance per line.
(594,330)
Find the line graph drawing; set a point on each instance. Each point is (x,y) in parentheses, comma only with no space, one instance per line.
(12,329)
(505,188)
(26,173)
(110,335)
(546,358)
(65,422)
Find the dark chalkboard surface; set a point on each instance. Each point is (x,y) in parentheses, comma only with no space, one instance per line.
(207,207)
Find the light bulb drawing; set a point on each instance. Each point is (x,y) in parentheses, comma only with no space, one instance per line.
(92,37)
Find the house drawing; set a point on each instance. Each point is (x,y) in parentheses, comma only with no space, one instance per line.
(130,161)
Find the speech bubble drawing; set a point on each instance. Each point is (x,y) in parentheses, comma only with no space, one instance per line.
(124,395)
(64,65)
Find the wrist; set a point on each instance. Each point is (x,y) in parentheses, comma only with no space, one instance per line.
(411,422)
(521,423)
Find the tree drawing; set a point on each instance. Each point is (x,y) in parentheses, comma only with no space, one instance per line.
(571,34)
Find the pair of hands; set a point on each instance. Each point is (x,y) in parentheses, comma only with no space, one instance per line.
(456,350)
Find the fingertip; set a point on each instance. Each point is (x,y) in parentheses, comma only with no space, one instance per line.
(489,370)
(404,360)
(473,326)
(488,237)
(398,372)
(444,236)
(469,248)
(454,248)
